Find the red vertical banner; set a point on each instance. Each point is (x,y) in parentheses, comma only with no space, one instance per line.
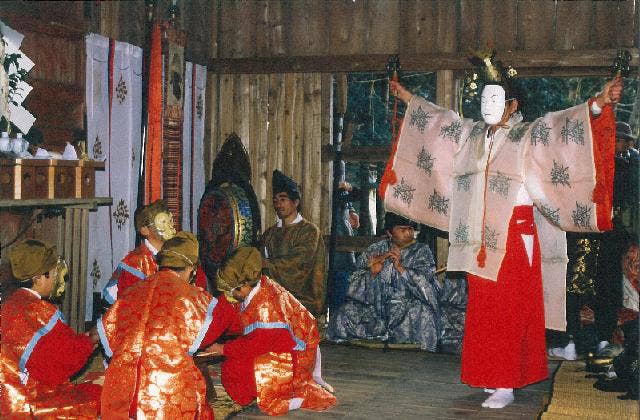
(153,146)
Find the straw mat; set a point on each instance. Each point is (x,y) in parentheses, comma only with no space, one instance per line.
(575,397)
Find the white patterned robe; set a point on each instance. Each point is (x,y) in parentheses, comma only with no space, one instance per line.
(440,166)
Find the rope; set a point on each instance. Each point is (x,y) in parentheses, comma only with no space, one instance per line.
(482,254)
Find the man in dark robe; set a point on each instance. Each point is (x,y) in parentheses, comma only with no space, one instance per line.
(293,249)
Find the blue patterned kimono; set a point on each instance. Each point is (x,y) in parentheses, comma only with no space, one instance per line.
(392,307)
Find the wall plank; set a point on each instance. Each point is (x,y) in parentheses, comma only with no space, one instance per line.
(272,143)
(198,16)
(298,126)
(447,37)
(308,27)
(610,17)
(313,175)
(131,22)
(242,109)
(270,40)
(307,150)
(211,126)
(569,35)
(226,108)
(536,24)
(109,19)
(276,125)
(416,31)
(347,25)
(326,122)
(469,26)
(288,146)
(627,33)
(259,144)
(238,29)
(382,37)
(500,17)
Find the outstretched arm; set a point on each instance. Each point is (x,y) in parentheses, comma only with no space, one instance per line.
(611,92)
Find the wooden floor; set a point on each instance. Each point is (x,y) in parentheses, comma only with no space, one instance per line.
(403,384)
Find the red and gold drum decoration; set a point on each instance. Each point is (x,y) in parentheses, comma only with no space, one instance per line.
(226,222)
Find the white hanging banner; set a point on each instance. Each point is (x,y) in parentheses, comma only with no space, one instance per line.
(193,144)
(113,134)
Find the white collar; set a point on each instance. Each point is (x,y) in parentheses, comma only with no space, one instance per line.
(298,219)
(32,291)
(153,250)
(250,296)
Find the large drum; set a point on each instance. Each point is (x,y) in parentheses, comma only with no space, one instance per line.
(228,218)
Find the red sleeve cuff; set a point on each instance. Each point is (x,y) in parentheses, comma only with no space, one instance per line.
(260,341)
(225,319)
(603,130)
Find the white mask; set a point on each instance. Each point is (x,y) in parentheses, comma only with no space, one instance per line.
(492,104)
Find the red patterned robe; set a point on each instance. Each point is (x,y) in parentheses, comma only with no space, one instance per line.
(274,360)
(135,266)
(39,353)
(150,334)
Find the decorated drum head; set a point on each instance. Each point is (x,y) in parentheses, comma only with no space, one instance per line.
(227,219)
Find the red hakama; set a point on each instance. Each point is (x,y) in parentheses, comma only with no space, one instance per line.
(504,341)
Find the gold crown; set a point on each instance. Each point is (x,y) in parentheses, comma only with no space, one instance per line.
(487,70)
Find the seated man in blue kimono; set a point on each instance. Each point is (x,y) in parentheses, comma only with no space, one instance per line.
(393,295)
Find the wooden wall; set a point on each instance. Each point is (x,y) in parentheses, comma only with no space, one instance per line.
(439,32)
(283,123)
(234,29)
(54,41)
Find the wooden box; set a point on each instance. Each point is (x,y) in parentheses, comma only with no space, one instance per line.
(64,184)
(86,178)
(9,171)
(37,179)
(23,179)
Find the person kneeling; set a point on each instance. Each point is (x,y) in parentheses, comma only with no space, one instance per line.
(151,333)
(277,360)
(39,351)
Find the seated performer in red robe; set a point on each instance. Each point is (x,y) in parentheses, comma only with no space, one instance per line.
(39,352)
(154,223)
(277,360)
(151,333)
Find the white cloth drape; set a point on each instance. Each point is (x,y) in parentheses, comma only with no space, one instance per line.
(117,142)
(193,144)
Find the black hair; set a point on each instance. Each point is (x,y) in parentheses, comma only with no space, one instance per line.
(28,284)
(513,90)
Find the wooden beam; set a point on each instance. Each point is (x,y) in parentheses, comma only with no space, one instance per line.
(591,61)
(358,154)
(75,30)
(88,203)
(353,243)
